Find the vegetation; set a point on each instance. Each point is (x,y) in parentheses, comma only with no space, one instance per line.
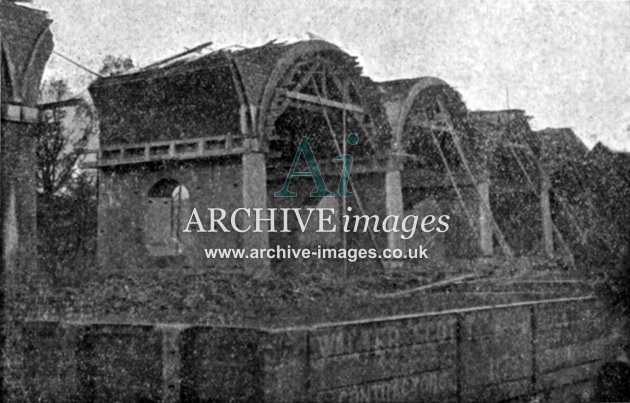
(66,214)
(62,136)
(67,194)
(296,292)
(113,65)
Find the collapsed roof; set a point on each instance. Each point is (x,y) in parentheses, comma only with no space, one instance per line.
(223,92)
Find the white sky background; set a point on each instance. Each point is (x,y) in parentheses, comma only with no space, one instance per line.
(567,63)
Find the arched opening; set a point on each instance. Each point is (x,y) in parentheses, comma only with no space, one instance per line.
(318,93)
(167,212)
(515,194)
(320,96)
(427,141)
(431,126)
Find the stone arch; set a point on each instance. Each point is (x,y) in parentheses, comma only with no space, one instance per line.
(337,68)
(34,67)
(420,85)
(433,105)
(424,113)
(166,212)
(315,89)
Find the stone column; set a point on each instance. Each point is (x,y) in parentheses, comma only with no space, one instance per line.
(545,210)
(485,217)
(255,196)
(21,71)
(393,205)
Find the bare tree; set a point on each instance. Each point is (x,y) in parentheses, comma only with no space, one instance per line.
(113,65)
(66,211)
(62,135)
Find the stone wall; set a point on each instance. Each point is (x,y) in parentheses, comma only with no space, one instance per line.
(124,223)
(550,349)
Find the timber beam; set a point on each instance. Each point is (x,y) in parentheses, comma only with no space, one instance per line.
(312,99)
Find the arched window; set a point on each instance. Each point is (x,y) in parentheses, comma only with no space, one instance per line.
(167,210)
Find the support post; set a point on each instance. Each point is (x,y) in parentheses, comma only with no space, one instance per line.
(17,165)
(485,216)
(393,204)
(255,196)
(545,210)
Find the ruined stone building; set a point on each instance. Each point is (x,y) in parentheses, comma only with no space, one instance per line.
(220,129)
(608,181)
(480,167)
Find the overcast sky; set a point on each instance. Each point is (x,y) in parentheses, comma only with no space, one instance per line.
(567,63)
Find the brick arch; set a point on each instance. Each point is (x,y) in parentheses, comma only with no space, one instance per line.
(34,68)
(420,85)
(23,67)
(283,76)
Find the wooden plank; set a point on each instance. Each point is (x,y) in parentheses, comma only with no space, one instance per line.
(293,103)
(481,325)
(383,319)
(176,56)
(429,286)
(323,101)
(372,336)
(358,368)
(438,386)
(427,178)
(499,392)
(60,104)
(519,146)
(430,126)
(568,376)
(502,188)
(301,84)
(571,355)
